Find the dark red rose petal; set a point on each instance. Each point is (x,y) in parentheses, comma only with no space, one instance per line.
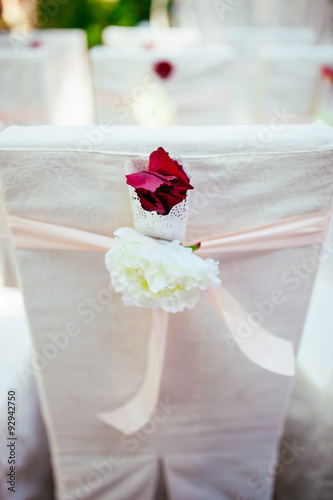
(145,180)
(150,202)
(163,186)
(169,200)
(181,169)
(163,69)
(161,163)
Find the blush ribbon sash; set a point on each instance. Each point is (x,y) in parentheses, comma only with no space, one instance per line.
(266,350)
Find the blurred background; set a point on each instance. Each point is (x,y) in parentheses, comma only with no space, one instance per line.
(91,15)
(229,62)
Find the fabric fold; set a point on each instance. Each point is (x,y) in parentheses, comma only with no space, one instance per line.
(137,412)
(264,349)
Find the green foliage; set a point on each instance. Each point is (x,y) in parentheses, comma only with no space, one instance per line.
(91,15)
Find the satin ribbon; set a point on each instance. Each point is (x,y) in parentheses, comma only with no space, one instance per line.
(261,347)
(20,115)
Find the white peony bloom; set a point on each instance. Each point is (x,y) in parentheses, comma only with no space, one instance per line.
(155,273)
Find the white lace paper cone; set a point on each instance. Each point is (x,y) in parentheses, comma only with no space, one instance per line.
(165,227)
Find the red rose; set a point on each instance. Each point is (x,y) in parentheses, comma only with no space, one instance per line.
(163,186)
(163,69)
(35,44)
(327,72)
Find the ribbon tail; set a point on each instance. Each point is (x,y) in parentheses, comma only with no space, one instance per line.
(260,346)
(134,414)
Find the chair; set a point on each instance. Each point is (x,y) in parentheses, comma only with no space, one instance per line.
(289,78)
(214,17)
(248,42)
(123,37)
(187,87)
(68,71)
(220,416)
(24,88)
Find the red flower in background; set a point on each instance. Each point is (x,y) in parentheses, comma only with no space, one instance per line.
(35,44)
(327,73)
(163,186)
(163,69)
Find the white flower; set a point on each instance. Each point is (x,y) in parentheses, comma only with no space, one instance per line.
(155,273)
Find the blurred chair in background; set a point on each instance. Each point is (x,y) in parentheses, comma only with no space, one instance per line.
(67,71)
(147,37)
(25,88)
(289,80)
(247,42)
(147,87)
(214,16)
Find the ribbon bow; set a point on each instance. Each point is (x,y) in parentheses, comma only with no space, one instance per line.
(260,346)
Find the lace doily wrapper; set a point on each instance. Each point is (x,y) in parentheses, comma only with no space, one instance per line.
(165,227)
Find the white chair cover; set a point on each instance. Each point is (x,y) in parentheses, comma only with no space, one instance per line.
(33,468)
(8,271)
(248,41)
(289,79)
(123,37)
(67,70)
(221,417)
(25,97)
(129,91)
(212,17)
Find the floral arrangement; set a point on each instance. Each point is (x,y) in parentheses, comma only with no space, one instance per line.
(327,73)
(156,270)
(163,69)
(163,186)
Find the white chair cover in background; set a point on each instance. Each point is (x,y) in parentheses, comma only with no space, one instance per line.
(223,415)
(123,37)
(213,16)
(289,79)
(67,70)
(70,75)
(198,91)
(247,41)
(25,97)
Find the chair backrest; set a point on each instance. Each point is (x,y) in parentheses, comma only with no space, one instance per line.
(123,37)
(289,78)
(68,71)
(187,87)
(25,97)
(250,39)
(214,16)
(90,349)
